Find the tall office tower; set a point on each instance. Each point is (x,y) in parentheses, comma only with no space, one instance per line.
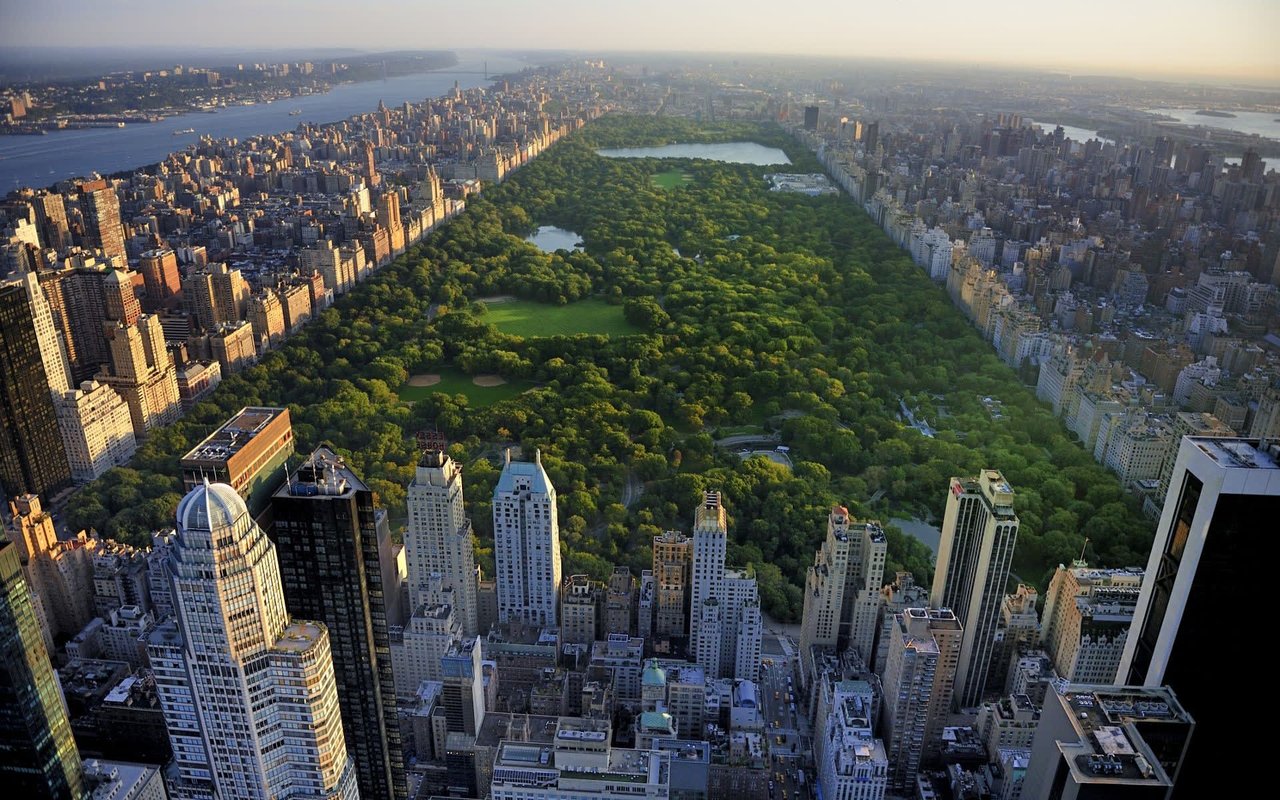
(371,175)
(248,694)
(121,298)
(142,372)
(579,606)
(327,535)
(51,218)
(84,292)
(672,562)
(463,697)
(824,590)
(1018,629)
(860,609)
(97,431)
(38,756)
(230,293)
(52,352)
(198,300)
(31,455)
(438,539)
(1224,492)
(1087,616)
(1117,742)
(871,137)
(160,277)
(979,531)
(526,543)
(101,210)
(811,118)
(924,652)
(266,318)
(59,574)
(389,218)
(710,540)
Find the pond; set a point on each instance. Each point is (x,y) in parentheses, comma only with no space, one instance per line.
(921,530)
(728,152)
(549,239)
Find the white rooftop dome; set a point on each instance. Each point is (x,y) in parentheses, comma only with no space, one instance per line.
(210,507)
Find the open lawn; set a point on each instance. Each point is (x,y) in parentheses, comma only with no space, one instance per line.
(672,179)
(529,319)
(452,381)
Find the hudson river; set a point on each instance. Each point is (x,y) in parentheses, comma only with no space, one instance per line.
(40,161)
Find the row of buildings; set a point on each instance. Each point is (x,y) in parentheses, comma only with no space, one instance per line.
(125,301)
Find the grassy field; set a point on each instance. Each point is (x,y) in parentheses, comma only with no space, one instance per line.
(454,381)
(672,179)
(528,319)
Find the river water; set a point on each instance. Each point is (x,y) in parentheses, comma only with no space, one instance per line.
(1249,122)
(42,160)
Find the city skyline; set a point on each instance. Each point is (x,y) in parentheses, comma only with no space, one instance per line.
(1095,39)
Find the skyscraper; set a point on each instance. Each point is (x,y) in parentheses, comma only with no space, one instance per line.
(52,354)
(160,276)
(1087,617)
(526,543)
(919,674)
(31,454)
(724,617)
(327,535)
(38,756)
(979,531)
(672,563)
(824,590)
(860,601)
(1224,494)
(438,539)
(248,694)
(101,210)
(710,535)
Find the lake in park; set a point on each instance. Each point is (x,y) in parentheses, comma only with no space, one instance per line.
(729,152)
(919,529)
(549,239)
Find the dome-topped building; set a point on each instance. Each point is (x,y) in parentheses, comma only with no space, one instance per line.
(210,507)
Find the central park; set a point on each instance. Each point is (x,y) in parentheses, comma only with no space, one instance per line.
(701,305)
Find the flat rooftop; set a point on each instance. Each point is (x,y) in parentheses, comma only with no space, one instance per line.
(299,636)
(1237,453)
(235,433)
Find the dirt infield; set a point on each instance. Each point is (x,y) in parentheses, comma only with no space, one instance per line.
(488,380)
(423,380)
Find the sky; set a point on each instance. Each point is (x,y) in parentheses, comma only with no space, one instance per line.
(1212,39)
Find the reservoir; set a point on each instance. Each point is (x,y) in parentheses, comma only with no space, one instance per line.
(729,152)
(40,161)
(921,530)
(549,239)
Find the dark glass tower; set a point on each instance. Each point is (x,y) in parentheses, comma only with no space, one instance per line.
(38,756)
(31,455)
(1198,601)
(327,534)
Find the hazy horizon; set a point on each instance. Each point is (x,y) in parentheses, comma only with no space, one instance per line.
(1230,40)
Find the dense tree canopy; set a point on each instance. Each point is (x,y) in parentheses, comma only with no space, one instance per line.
(758,309)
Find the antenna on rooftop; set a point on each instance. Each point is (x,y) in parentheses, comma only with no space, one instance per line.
(1083,546)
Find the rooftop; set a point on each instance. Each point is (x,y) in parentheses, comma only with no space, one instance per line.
(235,433)
(299,636)
(1238,453)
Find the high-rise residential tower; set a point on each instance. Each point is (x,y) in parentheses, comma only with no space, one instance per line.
(439,539)
(1223,495)
(526,544)
(672,564)
(979,531)
(329,539)
(824,590)
(248,694)
(31,454)
(100,207)
(924,651)
(1087,616)
(724,616)
(38,757)
(860,600)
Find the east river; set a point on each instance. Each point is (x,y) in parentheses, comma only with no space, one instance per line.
(43,160)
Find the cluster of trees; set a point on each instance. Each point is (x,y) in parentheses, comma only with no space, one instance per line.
(756,308)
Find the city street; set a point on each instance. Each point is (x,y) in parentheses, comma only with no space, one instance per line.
(786,728)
